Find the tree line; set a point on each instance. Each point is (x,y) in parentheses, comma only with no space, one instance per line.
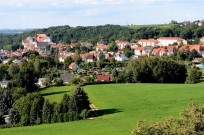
(67,34)
(156,70)
(32,109)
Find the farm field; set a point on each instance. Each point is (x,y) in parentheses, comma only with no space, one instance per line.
(120,107)
(149,25)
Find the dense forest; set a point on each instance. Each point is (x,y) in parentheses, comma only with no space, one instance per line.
(67,34)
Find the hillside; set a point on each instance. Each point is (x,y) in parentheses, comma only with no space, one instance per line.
(120,107)
(67,34)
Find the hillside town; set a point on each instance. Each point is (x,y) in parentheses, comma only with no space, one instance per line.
(163,46)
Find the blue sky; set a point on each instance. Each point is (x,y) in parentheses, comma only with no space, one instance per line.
(46,13)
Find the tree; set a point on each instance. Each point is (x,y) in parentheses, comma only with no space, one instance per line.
(112,47)
(76,57)
(46,111)
(18,92)
(2,120)
(6,102)
(194,76)
(34,112)
(3,71)
(190,123)
(128,51)
(68,60)
(65,103)
(14,116)
(59,82)
(101,55)
(47,47)
(79,101)
(13,69)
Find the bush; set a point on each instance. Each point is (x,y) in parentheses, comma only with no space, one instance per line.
(59,82)
(85,114)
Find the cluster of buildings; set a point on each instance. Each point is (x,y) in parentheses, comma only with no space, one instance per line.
(162,46)
(143,47)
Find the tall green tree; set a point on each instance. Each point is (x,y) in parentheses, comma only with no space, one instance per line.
(46,111)
(194,76)
(112,47)
(79,100)
(14,116)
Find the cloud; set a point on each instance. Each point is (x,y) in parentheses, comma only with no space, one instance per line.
(19,5)
(154,1)
(54,4)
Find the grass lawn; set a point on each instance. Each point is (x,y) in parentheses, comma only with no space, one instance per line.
(149,25)
(120,107)
(55,93)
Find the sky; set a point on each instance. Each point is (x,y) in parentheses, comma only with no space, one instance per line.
(46,13)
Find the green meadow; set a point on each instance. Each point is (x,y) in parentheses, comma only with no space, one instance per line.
(120,107)
(150,25)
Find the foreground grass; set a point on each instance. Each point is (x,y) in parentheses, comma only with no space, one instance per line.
(120,107)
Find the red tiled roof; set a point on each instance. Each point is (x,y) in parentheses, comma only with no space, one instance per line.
(72,64)
(170,38)
(148,40)
(194,47)
(156,51)
(90,57)
(105,78)
(139,48)
(102,47)
(84,55)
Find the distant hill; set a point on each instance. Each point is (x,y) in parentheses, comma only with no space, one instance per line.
(109,33)
(14,31)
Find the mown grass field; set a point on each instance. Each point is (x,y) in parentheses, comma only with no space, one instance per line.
(55,94)
(120,107)
(149,25)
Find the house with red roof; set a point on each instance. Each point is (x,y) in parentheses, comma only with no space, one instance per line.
(122,44)
(142,51)
(159,52)
(90,58)
(84,56)
(101,47)
(148,42)
(166,41)
(198,48)
(73,65)
(104,78)
(40,40)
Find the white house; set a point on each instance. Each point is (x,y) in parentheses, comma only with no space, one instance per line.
(73,65)
(143,51)
(16,61)
(121,57)
(4,84)
(165,41)
(40,40)
(121,44)
(148,42)
(41,82)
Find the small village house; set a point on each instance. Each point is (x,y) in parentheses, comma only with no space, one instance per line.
(73,65)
